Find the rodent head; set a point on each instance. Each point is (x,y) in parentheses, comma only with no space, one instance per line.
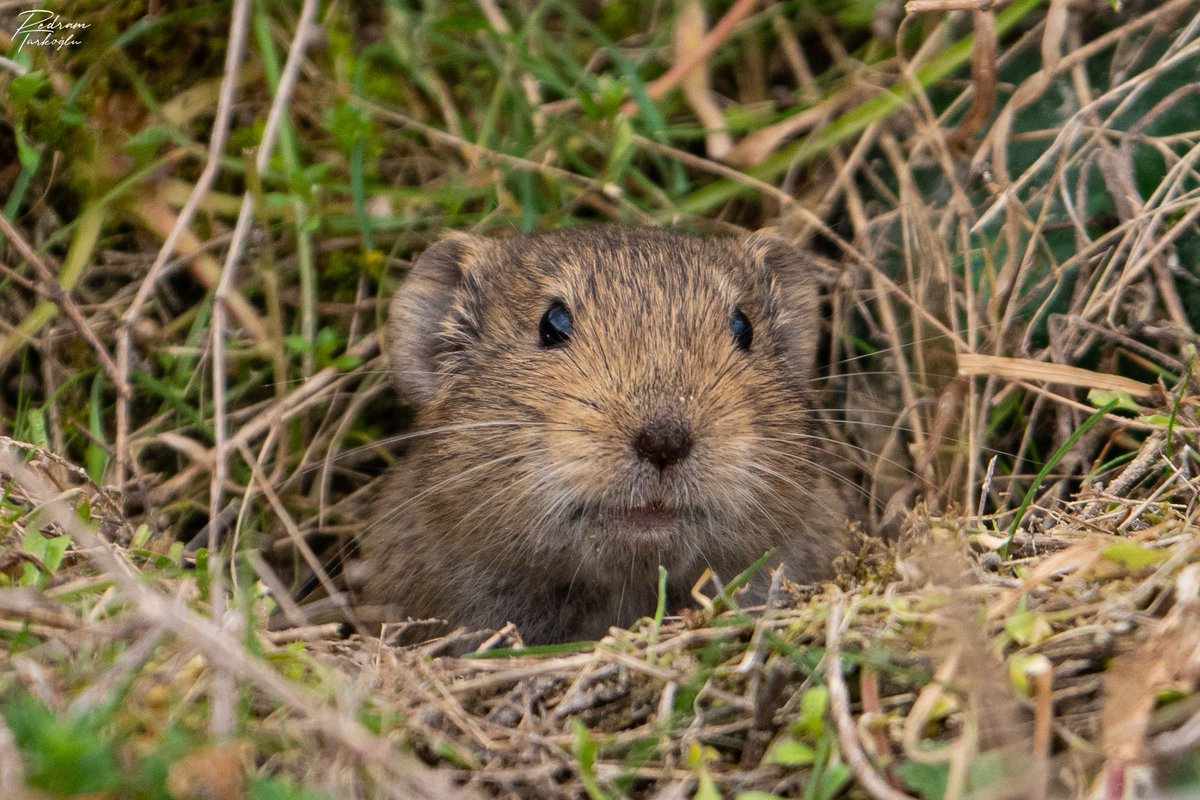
(610,393)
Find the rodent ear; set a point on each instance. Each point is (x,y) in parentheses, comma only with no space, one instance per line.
(418,328)
(793,296)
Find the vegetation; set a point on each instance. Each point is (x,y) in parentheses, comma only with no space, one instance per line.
(205,206)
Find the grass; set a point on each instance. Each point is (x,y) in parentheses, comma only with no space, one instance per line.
(195,257)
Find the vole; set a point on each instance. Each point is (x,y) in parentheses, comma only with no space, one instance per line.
(593,403)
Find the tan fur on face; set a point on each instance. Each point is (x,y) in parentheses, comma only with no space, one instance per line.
(522,503)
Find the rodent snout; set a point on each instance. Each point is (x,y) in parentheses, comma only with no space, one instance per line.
(663,442)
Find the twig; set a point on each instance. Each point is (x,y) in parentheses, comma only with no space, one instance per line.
(12,66)
(470,151)
(293,531)
(405,777)
(975,364)
(689,28)
(18,278)
(985,488)
(983,78)
(63,300)
(839,707)
(1058,323)
(303,397)
(716,168)
(658,88)
(216,145)
(868,690)
(1042,674)
(222,711)
(1183,740)
(942,6)
(305,633)
(529,84)
(1027,90)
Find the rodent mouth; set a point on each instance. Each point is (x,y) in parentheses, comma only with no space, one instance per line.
(651,530)
(647,517)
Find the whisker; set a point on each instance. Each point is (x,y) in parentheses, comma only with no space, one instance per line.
(912,345)
(836,444)
(393,513)
(491,511)
(391,441)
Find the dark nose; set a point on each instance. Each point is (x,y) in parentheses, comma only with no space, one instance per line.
(663,442)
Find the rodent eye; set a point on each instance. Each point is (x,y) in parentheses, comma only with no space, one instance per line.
(555,328)
(743,331)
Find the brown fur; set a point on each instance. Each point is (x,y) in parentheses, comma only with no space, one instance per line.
(521,499)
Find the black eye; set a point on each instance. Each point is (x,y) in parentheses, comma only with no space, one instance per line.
(743,332)
(555,328)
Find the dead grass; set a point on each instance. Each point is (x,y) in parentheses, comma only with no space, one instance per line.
(1009,235)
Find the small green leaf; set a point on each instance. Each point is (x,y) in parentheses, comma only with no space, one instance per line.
(64,757)
(348,124)
(35,544)
(620,151)
(451,753)
(585,745)
(1021,665)
(1171,694)
(790,753)
(56,548)
(149,139)
(140,536)
(986,771)
(96,455)
(706,788)
(271,788)
(813,704)
(698,755)
(1120,400)
(24,89)
(1133,555)
(70,117)
(28,154)
(857,13)
(588,104)
(296,344)
(612,95)
(585,752)
(1027,628)
(34,426)
(833,780)
(927,780)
